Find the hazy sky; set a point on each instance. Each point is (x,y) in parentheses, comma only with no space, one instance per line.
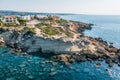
(63,6)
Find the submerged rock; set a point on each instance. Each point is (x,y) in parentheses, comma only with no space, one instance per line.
(12,78)
(98,64)
(86,70)
(31,77)
(53,73)
(111,64)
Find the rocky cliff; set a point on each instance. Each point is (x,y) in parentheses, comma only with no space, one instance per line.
(33,43)
(76,47)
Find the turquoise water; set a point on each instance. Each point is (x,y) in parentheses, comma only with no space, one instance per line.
(106,27)
(21,67)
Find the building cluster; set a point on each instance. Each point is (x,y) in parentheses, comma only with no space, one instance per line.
(29,18)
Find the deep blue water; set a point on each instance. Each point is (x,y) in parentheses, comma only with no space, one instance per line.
(19,67)
(106,27)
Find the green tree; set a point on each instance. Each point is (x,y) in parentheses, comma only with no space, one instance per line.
(22,21)
(1,23)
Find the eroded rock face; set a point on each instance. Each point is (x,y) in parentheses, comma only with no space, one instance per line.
(32,44)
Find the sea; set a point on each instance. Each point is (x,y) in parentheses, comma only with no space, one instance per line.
(28,67)
(105,26)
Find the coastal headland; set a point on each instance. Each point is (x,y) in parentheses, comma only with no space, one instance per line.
(59,39)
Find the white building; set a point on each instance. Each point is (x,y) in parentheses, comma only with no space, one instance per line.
(41,16)
(9,19)
(28,17)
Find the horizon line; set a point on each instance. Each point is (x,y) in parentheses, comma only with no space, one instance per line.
(63,13)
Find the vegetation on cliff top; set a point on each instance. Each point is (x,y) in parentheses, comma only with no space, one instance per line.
(48,29)
(62,22)
(54,27)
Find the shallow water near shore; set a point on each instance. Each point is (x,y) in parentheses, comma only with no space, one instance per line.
(19,67)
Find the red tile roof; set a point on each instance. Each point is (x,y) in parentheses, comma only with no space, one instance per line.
(10,17)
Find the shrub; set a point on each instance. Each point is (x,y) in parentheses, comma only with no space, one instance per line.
(29,31)
(22,21)
(66,32)
(42,24)
(10,24)
(62,22)
(50,30)
(48,18)
(1,23)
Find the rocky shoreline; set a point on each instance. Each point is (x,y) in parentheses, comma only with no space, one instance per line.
(109,54)
(67,50)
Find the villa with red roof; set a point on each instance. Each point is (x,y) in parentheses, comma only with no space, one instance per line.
(10,19)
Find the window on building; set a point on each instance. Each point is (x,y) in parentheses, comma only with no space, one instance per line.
(7,20)
(10,20)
